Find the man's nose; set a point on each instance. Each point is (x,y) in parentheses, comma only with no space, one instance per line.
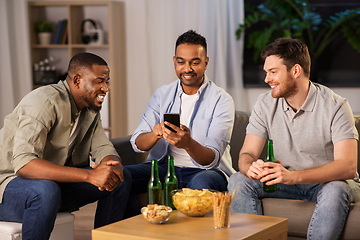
(104,87)
(188,67)
(266,80)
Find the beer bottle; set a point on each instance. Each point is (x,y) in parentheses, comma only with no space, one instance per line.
(269,158)
(170,182)
(154,186)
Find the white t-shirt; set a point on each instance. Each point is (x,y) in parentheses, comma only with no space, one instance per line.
(181,157)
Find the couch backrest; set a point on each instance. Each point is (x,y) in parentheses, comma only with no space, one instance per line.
(239,132)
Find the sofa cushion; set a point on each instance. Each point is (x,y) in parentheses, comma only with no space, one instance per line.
(238,137)
(297,212)
(299,215)
(126,152)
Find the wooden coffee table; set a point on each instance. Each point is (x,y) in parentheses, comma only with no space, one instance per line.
(182,227)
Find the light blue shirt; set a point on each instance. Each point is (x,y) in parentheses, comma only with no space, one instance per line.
(211,123)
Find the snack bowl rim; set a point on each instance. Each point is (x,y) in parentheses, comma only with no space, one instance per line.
(157,222)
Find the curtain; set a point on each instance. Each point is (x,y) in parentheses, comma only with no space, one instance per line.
(152,29)
(15,69)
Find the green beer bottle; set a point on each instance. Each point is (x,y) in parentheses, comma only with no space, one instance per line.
(170,183)
(269,158)
(154,186)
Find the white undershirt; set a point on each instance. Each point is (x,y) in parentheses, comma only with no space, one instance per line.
(181,157)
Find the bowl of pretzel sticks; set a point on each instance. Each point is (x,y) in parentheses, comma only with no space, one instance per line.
(221,209)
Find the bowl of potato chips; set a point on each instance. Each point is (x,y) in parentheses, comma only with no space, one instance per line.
(193,202)
(156,214)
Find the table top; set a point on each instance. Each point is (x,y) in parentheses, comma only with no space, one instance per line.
(182,227)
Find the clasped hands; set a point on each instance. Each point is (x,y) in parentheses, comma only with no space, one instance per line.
(107,175)
(269,172)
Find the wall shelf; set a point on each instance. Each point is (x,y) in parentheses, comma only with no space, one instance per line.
(109,15)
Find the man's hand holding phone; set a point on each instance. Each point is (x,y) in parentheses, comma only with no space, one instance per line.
(173,118)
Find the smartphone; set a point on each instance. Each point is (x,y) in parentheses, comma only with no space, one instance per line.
(173,118)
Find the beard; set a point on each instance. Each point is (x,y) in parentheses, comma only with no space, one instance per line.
(288,89)
(91,103)
(92,107)
(194,82)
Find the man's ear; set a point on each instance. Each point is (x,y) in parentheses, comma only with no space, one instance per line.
(206,62)
(76,80)
(296,70)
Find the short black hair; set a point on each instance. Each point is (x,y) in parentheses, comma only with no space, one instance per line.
(291,51)
(85,60)
(191,37)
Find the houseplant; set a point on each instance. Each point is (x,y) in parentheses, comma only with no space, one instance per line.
(44,30)
(297,19)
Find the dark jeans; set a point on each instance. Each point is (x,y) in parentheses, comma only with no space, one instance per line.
(35,203)
(194,178)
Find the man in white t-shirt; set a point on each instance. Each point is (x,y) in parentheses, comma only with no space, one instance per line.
(200,145)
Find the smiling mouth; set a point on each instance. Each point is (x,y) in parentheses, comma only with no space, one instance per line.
(187,76)
(273,86)
(100,98)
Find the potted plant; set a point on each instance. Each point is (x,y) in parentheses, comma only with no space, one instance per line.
(297,19)
(44,29)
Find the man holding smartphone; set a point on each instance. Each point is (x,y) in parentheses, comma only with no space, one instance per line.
(200,145)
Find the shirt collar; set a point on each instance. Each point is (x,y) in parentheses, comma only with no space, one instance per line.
(74,111)
(309,103)
(199,91)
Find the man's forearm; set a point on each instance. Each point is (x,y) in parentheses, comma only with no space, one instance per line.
(245,161)
(146,141)
(42,169)
(336,170)
(201,154)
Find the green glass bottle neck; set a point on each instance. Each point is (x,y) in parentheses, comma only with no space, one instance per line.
(154,170)
(270,151)
(170,170)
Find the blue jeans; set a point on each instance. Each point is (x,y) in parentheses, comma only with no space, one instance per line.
(194,178)
(331,209)
(35,203)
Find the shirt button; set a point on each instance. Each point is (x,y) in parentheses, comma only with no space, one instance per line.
(71,124)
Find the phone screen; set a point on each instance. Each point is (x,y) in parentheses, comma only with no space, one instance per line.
(173,118)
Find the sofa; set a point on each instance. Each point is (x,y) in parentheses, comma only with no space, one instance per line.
(297,212)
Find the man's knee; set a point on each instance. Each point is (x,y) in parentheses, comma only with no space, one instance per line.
(336,190)
(236,180)
(208,179)
(47,193)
